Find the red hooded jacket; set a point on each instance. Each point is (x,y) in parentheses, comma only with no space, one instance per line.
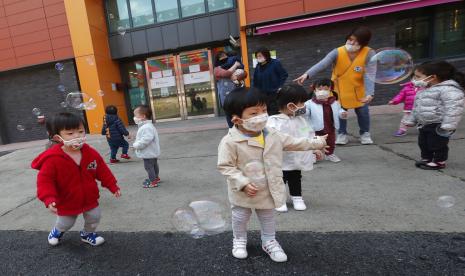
(73,188)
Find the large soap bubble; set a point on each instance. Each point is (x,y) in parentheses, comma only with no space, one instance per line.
(389,65)
(184,220)
(121,30)
(201,218)
(80,101)
(446,201)
(255,171)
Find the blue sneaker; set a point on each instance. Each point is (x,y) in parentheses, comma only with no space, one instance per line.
(91,238)
(54,236)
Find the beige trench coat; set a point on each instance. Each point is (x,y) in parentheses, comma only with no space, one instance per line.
(236,150)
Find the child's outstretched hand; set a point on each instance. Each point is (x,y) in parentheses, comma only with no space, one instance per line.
(251,190)
(117,193)
(318,154)
(52,207)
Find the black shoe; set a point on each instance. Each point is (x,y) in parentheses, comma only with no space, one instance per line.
(421,162)
(437,166)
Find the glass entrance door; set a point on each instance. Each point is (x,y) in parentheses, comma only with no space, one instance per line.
(163,87)
(197,82)
(182,86)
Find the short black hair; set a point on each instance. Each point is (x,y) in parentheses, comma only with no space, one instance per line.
(323,82)
(265,52)
(443,71)
(292,93)
(145,110)
(218,56)
(241,98)
(363,35)
(111,109)
(63,121)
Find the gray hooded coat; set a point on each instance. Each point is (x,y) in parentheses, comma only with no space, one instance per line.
(441,103)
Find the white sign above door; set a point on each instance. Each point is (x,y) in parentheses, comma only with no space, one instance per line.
(196,77)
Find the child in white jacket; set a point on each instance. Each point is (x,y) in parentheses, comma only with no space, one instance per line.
(323,112)
(147,144)
(291,103)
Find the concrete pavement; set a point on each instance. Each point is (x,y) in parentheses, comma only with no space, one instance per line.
(374,188)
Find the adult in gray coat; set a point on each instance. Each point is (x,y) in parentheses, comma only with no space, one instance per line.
(437,110)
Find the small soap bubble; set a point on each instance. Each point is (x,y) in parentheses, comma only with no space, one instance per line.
(59,66)
(90,61)
(63,104)
(255,170)
(36,111)
(61,88)
(446,201)
(20,127)
(121,30)
(101,93)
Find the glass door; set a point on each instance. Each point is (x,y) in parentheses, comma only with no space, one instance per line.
(163,87)
(198,87)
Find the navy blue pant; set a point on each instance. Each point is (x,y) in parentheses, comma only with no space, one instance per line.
(363,118)
(115,145)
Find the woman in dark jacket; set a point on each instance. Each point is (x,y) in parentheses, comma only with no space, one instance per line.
(268,77)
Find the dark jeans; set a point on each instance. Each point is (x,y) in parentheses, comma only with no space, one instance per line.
(151,166)
(294,180)
(115,145)
(363,118)
(433,147)
(330,140)
(272,103)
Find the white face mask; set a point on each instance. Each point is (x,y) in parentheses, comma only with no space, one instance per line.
(137,120)
(421,83)
(75,143)
(260,60)
(296,111)
(352,48)
(256,123)
(322,94)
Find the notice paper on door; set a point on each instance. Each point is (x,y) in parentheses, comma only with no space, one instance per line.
(163,82)
(167,73)
(194,68)
(196,77)
(156,75)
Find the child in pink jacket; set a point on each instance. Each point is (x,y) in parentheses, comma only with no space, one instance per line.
(407,96)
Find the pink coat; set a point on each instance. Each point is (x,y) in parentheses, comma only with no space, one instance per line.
(406,95)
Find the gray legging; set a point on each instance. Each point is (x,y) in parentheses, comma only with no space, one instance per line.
(91,221)
(151,166)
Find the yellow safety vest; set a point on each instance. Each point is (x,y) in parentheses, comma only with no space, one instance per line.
(348,77)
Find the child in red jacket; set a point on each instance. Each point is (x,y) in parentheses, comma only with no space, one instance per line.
(66,180)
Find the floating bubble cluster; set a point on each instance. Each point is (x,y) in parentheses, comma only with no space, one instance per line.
(80,101)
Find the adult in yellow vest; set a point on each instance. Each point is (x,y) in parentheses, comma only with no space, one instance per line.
(354,88)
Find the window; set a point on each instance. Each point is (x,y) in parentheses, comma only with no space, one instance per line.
(437,32)
(192,7)
(118,15)
(412,35)
(449,30)
(216,5)
(166,10)
(141,12)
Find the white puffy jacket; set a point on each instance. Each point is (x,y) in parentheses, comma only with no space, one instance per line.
(297,127)
(441,103)
(147,144)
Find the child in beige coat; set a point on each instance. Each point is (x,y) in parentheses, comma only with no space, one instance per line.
(250,156)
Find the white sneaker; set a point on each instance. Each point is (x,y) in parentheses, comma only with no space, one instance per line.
(342,139)
(282,208)
(365,139)
(275,251)
(298,202)
(333,158)
(239,248)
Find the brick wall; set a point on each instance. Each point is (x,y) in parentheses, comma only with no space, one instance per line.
(24,89)
(299,49)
